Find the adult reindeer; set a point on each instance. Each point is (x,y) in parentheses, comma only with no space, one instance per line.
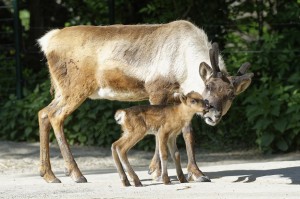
(132,63)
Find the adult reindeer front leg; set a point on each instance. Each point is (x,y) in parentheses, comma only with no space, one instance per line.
(194,173)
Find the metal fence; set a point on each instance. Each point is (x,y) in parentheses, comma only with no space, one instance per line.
(10,65)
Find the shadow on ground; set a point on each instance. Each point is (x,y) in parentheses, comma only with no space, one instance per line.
(249,176)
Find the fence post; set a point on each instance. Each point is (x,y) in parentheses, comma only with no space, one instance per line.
(111,7)
(17,47)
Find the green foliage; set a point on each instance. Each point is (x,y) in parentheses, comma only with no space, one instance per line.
(19,117)
(7,82)
(274,111)
(272,102)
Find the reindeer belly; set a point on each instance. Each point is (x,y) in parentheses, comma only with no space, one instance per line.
(114,84)
(120,95)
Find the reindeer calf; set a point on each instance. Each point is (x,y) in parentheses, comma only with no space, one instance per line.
(164,120)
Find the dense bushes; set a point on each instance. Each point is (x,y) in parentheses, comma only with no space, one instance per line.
(273,107)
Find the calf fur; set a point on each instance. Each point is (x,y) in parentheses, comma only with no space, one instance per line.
(166,122)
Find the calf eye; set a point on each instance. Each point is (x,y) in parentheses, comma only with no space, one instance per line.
(193,101)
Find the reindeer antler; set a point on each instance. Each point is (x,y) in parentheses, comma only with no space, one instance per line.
(243,69)
(214,58)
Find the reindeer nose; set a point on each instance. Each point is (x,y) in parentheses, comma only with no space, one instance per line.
(218,116)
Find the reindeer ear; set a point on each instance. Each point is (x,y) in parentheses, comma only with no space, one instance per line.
(205,71)
(182,98)
(241,83)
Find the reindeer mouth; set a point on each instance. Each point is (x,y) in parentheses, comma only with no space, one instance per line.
(210,121)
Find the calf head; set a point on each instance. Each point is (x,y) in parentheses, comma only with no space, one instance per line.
(195,102)
(220,88)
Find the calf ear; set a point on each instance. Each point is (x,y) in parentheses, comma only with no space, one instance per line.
(241,83)
(205,71)
(182,98)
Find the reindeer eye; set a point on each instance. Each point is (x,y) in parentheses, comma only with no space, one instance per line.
(231,96)
(208,86)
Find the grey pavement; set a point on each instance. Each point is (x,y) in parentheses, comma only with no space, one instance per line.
(245,174)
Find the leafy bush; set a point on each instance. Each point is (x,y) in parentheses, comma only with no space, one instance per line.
(274,111)
(19,117)
(274,104)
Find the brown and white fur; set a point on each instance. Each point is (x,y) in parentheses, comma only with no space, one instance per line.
(130,63)
(166,122)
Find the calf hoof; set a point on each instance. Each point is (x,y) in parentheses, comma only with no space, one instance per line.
(126,183)
(150,171)
(81,179)
(182,180)
(139,184)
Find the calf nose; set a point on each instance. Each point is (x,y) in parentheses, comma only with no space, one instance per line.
(206,103)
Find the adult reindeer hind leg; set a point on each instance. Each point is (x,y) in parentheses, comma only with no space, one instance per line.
(72,84)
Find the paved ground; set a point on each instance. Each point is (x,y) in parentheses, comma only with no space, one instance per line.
(234,175)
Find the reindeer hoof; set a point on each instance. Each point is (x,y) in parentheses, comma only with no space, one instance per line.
(202,179)
(192,177)
(56,180)
(49,176)
(81,179)
(167,182)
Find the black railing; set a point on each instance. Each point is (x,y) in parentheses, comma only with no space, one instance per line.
(10,63)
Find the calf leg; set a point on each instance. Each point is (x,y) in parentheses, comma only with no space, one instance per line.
(193,171)
(123,145)
(156,97)
(155,166)
(118,164)
(163,152)
(176,158)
